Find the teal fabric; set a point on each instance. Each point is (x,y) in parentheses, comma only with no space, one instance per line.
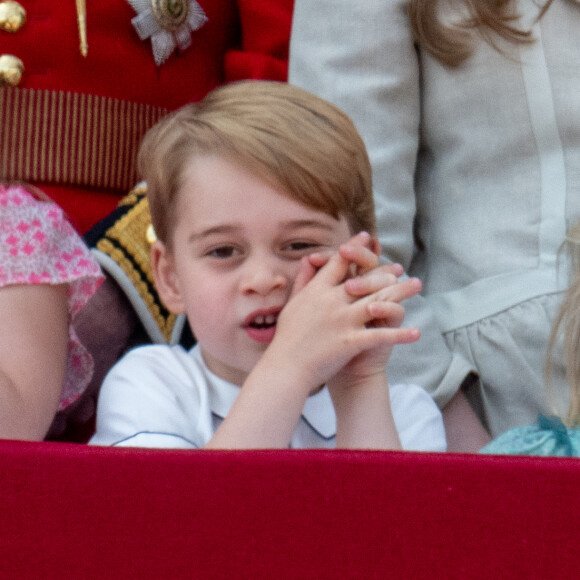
(548,437)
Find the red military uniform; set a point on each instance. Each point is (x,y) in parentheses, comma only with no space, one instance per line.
(72,123)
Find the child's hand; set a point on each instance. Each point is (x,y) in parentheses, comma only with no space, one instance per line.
(323,327)
(359,391)
(387,313)
(369,278)
(364,260)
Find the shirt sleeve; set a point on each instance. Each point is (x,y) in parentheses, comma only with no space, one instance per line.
(417,418)
(361,56)
(148,400)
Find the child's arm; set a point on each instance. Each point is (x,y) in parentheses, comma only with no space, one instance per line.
(33,348)
(360,391)
(319,331)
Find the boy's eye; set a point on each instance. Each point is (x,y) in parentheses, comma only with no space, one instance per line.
(222,252)
(301,246)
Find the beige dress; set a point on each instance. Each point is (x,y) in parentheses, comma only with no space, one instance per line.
(477,177)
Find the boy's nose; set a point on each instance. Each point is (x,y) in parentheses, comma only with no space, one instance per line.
(262,276)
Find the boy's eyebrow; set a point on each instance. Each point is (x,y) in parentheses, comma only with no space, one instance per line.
(310,223)
(221,229)
(233,228)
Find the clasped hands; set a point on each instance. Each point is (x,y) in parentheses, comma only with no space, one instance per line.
(345,313)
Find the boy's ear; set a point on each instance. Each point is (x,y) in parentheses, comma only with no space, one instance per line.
(165,276)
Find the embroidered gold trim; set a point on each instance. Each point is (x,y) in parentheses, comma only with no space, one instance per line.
(127,238)
(82,23)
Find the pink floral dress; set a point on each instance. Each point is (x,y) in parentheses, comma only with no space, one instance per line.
(39,246)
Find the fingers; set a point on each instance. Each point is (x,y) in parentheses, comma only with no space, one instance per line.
(381,326)
(358,267)
(385,314)
(305,274)
(329,268)
(359,251)
(399,291)
(386,336)
(334,271)
(319,259)
(388,316)
(374,280)
(381,284)
(383,309)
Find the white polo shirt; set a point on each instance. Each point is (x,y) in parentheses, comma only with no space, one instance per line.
(164,396)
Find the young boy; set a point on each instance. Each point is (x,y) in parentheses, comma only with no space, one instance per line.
(261,200)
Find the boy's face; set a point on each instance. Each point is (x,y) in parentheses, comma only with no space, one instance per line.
(237,246)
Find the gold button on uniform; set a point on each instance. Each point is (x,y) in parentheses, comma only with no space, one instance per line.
(11,69)
(12,16)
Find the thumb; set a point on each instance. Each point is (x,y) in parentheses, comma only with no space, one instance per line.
(305,274)
(335,271)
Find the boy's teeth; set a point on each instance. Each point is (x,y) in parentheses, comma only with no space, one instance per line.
(264,320)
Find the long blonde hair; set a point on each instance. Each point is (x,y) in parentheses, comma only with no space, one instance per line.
(567,325)
(452,44)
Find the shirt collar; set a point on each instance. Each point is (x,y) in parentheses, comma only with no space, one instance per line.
(318,411)
(222,393)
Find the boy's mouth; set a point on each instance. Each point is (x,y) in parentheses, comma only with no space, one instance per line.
(264,321)
(261,326)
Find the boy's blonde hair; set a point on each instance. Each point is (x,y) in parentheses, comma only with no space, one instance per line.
(297,142)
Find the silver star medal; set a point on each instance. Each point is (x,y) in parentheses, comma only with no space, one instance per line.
(168,23)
